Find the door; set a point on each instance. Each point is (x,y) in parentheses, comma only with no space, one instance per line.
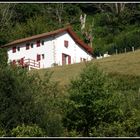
(66,59)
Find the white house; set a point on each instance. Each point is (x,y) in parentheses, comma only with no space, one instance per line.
(45,50)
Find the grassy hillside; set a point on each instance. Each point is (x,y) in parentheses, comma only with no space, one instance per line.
(128,63)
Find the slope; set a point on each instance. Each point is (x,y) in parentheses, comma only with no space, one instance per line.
(127,64)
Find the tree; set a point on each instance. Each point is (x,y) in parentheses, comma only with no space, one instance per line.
(91,102)
(3,57)
(6,14)
(16,98)
(48,98)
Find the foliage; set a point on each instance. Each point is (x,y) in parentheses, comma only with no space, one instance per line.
(128,40)
(126,82)
(91,101)
(97,104)
(3,58)
(106,21)
(48,99)
(27,131)
(16,98)
(108,130)
(2,132)
(26,11)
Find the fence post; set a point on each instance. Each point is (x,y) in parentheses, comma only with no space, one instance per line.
(133,49)
(116,51)
(39,64)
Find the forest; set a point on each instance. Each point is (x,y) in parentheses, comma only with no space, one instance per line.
(95,103)
(107,27)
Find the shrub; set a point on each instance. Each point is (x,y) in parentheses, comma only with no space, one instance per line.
(2,132)
(48,99)
(91,101)
(17,89)
(27,131)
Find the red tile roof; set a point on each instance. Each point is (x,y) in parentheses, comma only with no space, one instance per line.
(53,33)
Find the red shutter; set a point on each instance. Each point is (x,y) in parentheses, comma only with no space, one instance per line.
(38,43)
(14,49)
(66,43)
(38,57)
(69,59)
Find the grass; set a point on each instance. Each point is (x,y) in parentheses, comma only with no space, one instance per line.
(126,64)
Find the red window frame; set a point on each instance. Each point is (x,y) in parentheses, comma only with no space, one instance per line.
(38,43)
(66,43)
(14,49)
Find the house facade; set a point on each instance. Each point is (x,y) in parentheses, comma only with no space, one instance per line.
(60,47)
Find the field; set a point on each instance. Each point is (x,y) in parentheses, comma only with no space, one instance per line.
(127,64)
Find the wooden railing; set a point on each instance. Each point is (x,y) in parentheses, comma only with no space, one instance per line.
(30,63)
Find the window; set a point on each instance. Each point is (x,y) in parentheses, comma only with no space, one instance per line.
(27,46)
(42,42)
(32,45)
(18,48)
(66,43)
(38,43)
(43,56)
(38,58)
(14,49)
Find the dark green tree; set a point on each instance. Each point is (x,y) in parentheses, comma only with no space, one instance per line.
(91,102)
(3,57)
(16,98)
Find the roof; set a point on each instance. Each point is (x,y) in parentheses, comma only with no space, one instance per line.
(53,33)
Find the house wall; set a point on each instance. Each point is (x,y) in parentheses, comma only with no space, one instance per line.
(46,49)
(73,49)
(52,49)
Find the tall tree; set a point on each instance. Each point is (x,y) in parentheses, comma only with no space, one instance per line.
(6,13)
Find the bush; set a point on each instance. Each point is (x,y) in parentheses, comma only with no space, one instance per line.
(128,40)
(125,82)
(108,130)
(17,89)
(2,132)
(27,131)
(48,99)
(91,102)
